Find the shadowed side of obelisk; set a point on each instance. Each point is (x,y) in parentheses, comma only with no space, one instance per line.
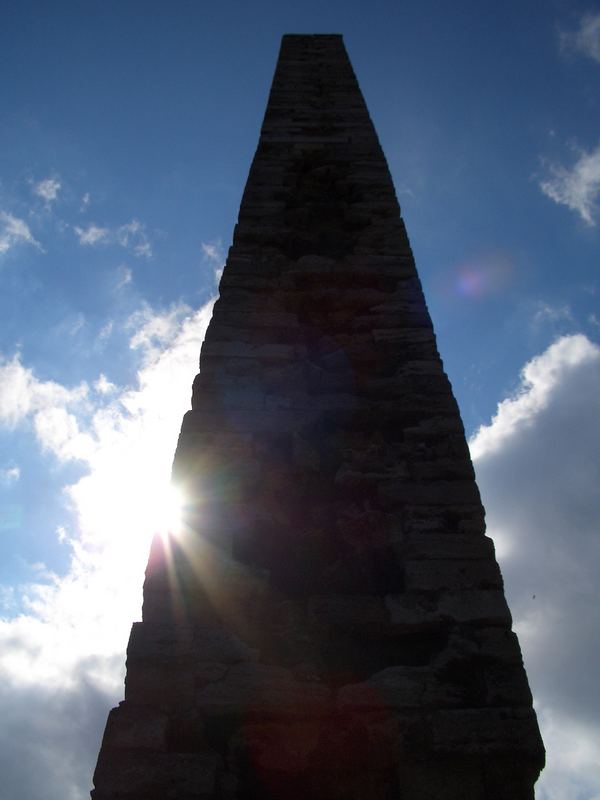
(332,623)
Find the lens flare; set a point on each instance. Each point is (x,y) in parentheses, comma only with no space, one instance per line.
(472,282)
(169,510)
(481,277)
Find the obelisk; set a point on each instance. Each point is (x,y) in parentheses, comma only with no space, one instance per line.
(331,623)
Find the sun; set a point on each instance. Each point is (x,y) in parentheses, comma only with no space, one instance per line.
(169,512)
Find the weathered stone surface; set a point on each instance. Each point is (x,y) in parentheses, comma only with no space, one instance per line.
(395,687)
(437,574)
(156,643)
(486,731)
(330,623)
(445,546)
(129,727)
(136,774)
(256,689)
(467,606)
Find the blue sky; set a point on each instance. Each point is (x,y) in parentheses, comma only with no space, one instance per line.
(126,134)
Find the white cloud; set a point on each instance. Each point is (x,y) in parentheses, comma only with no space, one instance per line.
(538,471)
(85,201)
(212,253)
(103,385)
(105,331)
(22,394)
(58,431)
(45,403)
(143,249)
(92,235)
(551,314)
(577,188)
(61,534)
(539,379)
(131,236)
(124,277)
(9,475)
(77,325)
(586,39)
(47,189)
(62,658)
(153,331)
(14,231)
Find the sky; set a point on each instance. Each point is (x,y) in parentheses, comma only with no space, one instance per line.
(126,134)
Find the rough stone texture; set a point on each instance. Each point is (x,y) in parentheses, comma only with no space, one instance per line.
(331,624)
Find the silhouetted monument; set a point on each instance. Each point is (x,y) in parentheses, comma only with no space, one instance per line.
(331,625)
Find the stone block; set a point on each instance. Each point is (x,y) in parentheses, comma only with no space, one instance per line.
(353,613)
(444,777)
(157,642)
(304,454)
(413,612)
(164,685)
(289,747)
(436,428)
(505,677)
(129,727)
(476,607)
(416,610)
(393,493)
(442,469)
(449,546)
(252,320)
(392,688)
(436,575)
(256,689)
(428,519)
(486,731)
(131,775)
(276,352)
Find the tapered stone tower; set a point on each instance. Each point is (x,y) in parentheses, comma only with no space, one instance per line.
(331,623)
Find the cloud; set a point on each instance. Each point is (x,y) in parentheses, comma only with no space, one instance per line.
(92,235)
(577,188)
(212,253)
(40,723)
(45,403)
(124,277)
(105,331)
(22,394)
(77,324)
(551,314)
(62,657)
(153,331)
(14,231)
(58,431)
(538,471)
(9,475)
(85,201)
(103,385)
(131,236)
(47,189)
(586,39)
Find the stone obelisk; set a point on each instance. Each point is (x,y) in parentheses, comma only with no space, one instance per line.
(331,622)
